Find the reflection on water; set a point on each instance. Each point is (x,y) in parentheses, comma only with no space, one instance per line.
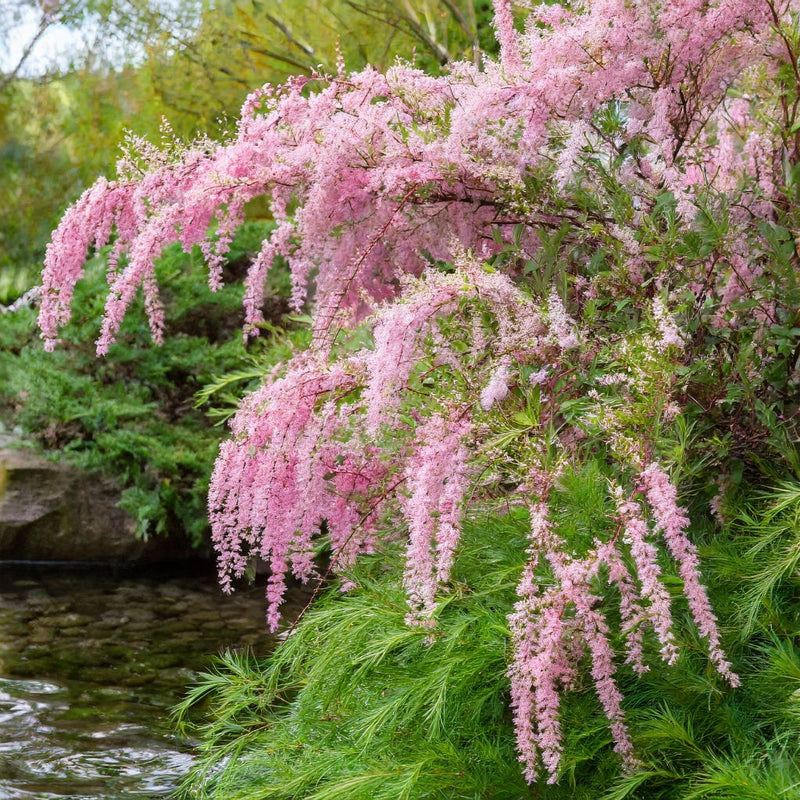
(91,663)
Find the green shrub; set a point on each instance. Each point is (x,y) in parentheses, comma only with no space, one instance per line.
(133,415)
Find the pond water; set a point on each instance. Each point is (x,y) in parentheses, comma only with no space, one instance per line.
(91,663)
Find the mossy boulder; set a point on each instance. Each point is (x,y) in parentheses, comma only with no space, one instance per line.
(53,512)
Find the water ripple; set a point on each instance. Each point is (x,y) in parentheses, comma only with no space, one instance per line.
(90,665)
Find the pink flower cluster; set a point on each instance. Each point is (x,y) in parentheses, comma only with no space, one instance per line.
(551,628)
(308,449)
(284,473)
(381,169)
(497,388)
(550,631)
(672,522)
(437,477)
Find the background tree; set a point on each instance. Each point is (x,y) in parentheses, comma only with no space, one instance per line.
(192,61)
(238,42)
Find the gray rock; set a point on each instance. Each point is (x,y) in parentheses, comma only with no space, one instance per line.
(53,512)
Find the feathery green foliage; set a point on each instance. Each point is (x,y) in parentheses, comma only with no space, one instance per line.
(355,703)
(771,527)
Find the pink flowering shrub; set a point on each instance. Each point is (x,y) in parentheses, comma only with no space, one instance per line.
(543,253)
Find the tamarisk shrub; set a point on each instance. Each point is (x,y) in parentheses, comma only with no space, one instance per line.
(543,253)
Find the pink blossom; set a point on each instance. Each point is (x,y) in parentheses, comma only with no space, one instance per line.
(436,479)
(562,326)
(376,176)
(648,571)
(539,377)
(673,521)
(497,388)
(371,179)
(506,35)
(669,335)
(548,643)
